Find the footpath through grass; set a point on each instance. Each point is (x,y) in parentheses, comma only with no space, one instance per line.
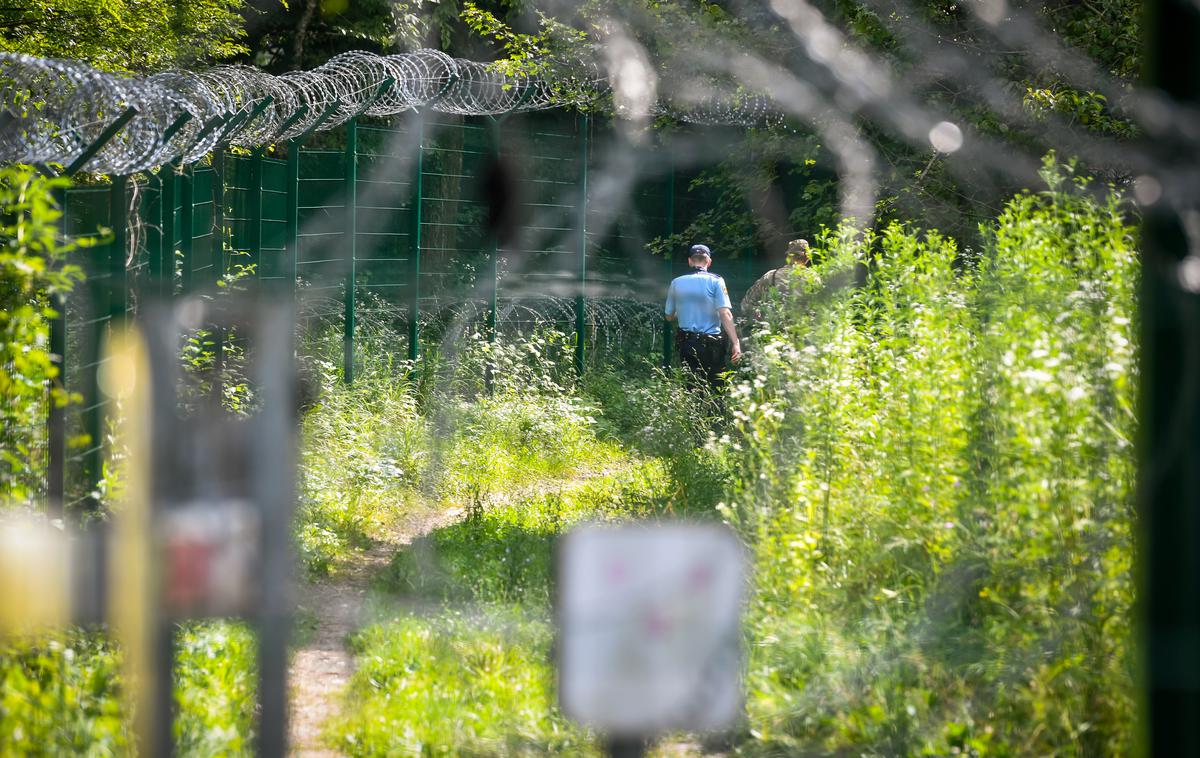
(458,660)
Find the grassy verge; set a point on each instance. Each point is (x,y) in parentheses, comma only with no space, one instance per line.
(485,633)
(62,694)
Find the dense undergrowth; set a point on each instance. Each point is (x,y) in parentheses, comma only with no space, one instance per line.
(928,454)
(64,694)
(936,476)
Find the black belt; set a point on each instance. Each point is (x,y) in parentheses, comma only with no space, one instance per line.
(706,335)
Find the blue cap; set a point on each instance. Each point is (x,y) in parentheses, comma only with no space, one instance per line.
(699,250)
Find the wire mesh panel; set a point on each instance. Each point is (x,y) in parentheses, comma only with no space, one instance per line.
(628,208)
(202,254)
(384,238)
(540,271)
(455,275)
(242,212)
(320,250)
(85,212)
(273,262)
(145,264)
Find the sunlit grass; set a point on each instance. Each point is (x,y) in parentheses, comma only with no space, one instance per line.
(453,684)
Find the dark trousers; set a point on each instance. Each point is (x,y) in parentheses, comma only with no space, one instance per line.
(703,355)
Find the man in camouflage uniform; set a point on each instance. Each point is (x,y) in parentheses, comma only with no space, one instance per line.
(776,279)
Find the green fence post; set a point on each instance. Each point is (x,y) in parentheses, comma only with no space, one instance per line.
(254,201)
(118,284)
(351,239)
(291,217)
(667,325)
(414,265)
(168,181)
(581,298)
(220,263)
(187,221)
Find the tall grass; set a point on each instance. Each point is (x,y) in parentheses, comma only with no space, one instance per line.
(63,694)
(935,473)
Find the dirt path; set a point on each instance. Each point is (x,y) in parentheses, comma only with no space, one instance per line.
(321,668)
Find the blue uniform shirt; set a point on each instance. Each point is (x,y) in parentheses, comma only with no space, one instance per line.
(695,298)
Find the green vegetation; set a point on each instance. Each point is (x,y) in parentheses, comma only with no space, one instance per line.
(487,639)
(126,35)
(928,454)
(32,273)
(936,475)
(63,694)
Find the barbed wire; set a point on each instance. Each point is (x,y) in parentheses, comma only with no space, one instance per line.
(56,109)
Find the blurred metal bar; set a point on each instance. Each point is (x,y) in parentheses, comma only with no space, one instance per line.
(625,747)
(167,474)
(273,489)
(1169,450)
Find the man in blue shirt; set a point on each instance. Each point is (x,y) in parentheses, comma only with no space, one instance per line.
(699,303)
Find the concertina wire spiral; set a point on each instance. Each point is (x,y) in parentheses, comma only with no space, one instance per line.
(52,110)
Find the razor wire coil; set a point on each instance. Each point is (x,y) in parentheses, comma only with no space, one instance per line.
(57,108)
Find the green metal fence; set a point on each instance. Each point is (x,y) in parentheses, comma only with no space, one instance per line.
(379,215)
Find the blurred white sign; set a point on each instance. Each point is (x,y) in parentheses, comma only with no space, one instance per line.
(649,627)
